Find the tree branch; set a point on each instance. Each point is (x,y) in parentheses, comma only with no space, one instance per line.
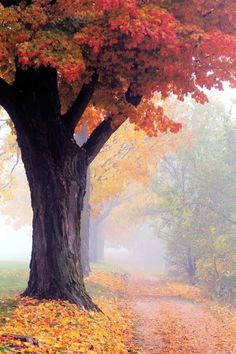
(99,137)
(105,129)
(72,117)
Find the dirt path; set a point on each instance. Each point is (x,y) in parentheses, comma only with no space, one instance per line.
(167,324)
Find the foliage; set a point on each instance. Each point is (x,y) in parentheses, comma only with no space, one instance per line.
(136,48)
(8,162)
(127,155)
(196,210)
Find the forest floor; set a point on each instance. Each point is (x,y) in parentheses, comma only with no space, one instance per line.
(141,315)
(176,318)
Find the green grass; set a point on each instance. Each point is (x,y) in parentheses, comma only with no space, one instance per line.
(13,278)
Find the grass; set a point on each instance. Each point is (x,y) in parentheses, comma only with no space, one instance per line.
(13,278)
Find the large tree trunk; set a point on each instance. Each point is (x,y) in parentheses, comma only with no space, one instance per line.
(56,169)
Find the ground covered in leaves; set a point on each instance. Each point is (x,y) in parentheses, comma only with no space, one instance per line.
(175,318)
(140,315)
(59,327)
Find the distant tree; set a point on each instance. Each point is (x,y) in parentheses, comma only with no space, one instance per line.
(196,213)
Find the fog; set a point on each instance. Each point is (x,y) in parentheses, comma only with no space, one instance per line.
(15,245)
(144,252)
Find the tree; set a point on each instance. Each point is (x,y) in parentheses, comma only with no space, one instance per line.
(195,214)
(127,155)
(59,57)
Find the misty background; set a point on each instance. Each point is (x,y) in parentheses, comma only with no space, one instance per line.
(146,224)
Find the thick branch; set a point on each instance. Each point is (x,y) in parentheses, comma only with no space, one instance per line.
(72,117)
(99,137)
(103,132)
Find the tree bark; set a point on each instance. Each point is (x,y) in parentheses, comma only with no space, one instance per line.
(55,267)
(56,170)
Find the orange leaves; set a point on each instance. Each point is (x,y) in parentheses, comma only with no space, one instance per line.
(61,326)
(111,281)
(132,44)
(58,326)
(153,121)
(92,36)
(52,49)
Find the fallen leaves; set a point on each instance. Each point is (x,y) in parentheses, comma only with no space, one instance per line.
(175,318)
(113,281)
(60,327)
(169,318)
(166,289)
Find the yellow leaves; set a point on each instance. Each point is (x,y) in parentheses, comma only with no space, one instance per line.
(60,327)
(112,281)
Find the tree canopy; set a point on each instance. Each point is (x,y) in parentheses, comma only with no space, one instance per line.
(195,213)
(119,52)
